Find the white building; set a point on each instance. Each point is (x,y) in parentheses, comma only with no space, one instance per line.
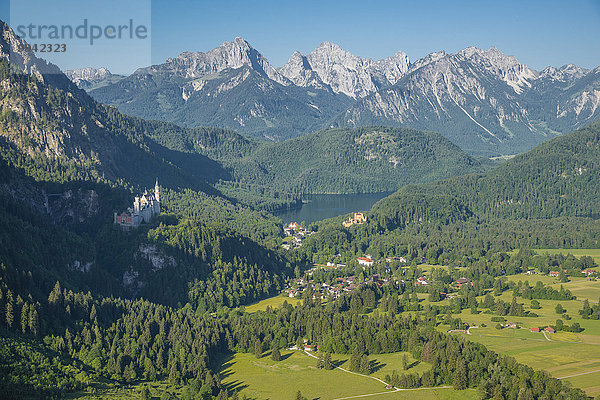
(144,209)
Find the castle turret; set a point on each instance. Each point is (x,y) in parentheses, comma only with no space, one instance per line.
(156,191)
(136,205)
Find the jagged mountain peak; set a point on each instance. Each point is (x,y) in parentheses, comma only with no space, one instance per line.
(389,70)
(428,59)
(328,53)
(327,45)
(566,73)
(234,54)
(299,71)
(87,73)
(90,78)
(515,74)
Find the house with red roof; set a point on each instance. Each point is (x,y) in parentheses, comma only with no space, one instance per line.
(366,261)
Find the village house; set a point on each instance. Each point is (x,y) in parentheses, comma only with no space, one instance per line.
(365,261)
(554,273)
(588,272)
(311,347)
(549,329)
(535,330)
(421,281)
(399,259)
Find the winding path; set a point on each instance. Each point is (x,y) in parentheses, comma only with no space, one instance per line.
(395,389)
(546,336)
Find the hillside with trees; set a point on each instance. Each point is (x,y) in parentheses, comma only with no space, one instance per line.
(559,178)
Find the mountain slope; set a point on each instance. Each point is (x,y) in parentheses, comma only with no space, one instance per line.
(232,86)
(471,97)
(486,102)
(67,163)
(559,178)
(372,159)
(56,133)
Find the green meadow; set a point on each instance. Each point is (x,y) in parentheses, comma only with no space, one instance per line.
(594,253)
(572,356)
(266,379)
(273,302)
(100,390)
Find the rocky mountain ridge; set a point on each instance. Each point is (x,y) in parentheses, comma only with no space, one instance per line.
(485,101)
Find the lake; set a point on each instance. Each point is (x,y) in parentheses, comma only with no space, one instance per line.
(321,206)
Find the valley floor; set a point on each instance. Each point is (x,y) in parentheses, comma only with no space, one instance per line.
(574,357)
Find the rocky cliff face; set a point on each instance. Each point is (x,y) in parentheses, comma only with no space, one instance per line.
(91,78)
(344,72)
(299,71)
(230,55)
(485,101)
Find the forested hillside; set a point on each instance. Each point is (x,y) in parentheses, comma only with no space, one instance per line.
(360,160)
(558,178)
(68,163)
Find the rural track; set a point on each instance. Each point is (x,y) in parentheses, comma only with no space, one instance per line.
(583,373)
(395,389)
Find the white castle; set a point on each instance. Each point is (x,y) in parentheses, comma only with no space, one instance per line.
(144,209)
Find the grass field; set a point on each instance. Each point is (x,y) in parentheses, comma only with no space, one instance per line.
(566,353)
(274,302)
(266,379)
(582,288)
(384,364)
(594,253)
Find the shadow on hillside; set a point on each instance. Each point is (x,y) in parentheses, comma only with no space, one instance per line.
(226,370)
(376,366)
(235,386)
(339,363)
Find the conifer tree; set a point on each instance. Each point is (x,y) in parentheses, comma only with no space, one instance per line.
(258,349)
(34,321)
(365,365)
(459,379)
(24,317)
(327,362)
(276,355)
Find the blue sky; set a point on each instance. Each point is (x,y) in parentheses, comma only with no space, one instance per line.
(538,33)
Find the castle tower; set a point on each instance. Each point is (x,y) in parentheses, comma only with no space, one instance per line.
(136,205)
(156,198)
(156,191)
